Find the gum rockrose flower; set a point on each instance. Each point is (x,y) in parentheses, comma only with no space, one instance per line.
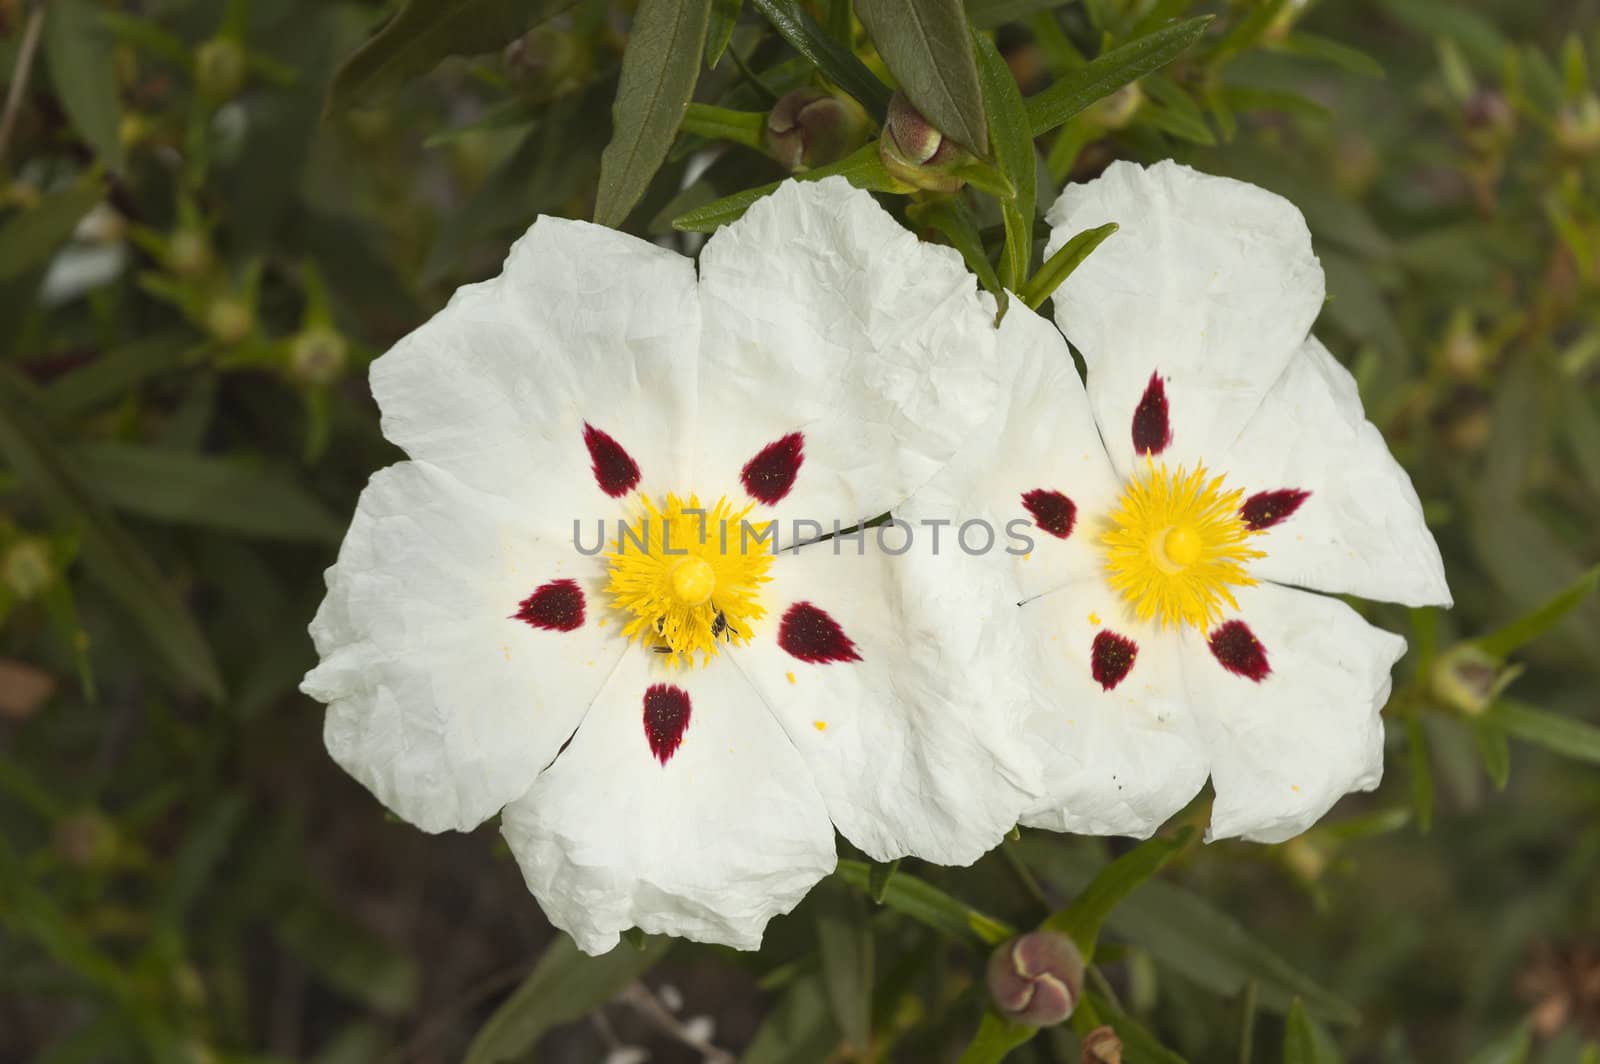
(1194,510)
(567,607)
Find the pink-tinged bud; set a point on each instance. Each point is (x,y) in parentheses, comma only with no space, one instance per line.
(1468,680)
(809,128)
(1036,978)
(1490,121)
(915,152)
(1102,1046)
(1578,126)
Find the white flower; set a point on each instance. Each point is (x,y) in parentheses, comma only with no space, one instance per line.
(673,737)
(1218,470)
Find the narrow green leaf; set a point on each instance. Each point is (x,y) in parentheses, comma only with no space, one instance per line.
(836,62)
(564,986)
(1059,266)
(996,1037)
(1494,749)
(346,956)
(1139,1045)
(1512,1047)
(1083,918)
(1014,154)
(427,31)
(77,48)
(1246,31)
(113,559)
(724,17)
(845,943)
(1078,89)
(29,238)
(1304,1040)
(1420,757)
(720,123)
(112,375)
(949,216)
(929,905)
(1525,629)
(660,66)
(1560,735)
(862,168)
(928,48)
(882,873)
(1327,50)
(799,1029)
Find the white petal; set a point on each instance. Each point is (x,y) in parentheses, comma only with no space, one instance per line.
(440,702)
(1361,530)
(709,845)
(1039,443)
(1284,749)
(917,745)
(586,325)
(1210,283)
(824,317)
(1118,761)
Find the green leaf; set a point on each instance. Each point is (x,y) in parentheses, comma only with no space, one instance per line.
(799,1029)
(1420,757)
(565,985)
(29,238)
(928,48)
(845,941)
(1083,918)
(1452,21)
(1558,734)
(113,559)
(836,62)
(1531,625)
(996,1037)
(113,375)
(882,873)
(231,494)
(1139,1046)
(724,17)
(1494,750)
(77,48)
(1246,31)
(427,31)
(927,904)
(1327,50)
(1304,1040)
(720,123)
(1512,1047)
(1078,89)
(1014,154)
(1059,266)
(347,956)
(659,69)
(863,168)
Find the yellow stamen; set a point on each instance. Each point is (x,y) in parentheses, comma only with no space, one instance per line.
(1176,546)
(688,576)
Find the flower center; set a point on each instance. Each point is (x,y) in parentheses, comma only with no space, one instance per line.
(687,576)
(1176,545)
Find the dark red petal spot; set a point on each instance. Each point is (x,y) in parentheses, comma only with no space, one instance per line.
(1151,429)
(770,474)
(1111,658)
(811,635)
(1239,651)
(614,469)
(1267,508)
(666,718)
(1051,510)
(555,607)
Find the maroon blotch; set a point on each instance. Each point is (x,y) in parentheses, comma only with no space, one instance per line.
(809,634)
(1239,651)
(1051,510)
(1111,658)
(770,475)
(614,468)
(555,607)
(1267,508)
(666,718)
(1152,430)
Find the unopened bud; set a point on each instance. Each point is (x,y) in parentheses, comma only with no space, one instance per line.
(1036,978)
(27,569)
(1489,119)
(548,61)
(915,152)
(189,253)
(318,355)
(1462,351)
(1118,109)
(219,68)
(1578,126)
(808,128)
(1102,1046)
(229,319)
(1468,680)
(86,839)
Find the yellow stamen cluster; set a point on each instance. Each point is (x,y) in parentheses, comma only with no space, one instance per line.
(687,575)
(1176,545)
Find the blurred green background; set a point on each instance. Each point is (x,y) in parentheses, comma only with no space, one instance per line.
(213,215)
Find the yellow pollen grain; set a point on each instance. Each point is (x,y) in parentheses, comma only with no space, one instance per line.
(1094,618)
(820,725)
(790,675)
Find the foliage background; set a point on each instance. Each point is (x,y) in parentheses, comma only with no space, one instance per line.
(205,235)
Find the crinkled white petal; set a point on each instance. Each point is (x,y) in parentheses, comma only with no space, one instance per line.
(824,316)
(1284,750)
(1210,283)
(728,833)
(585,325)
(1361,530)
(918,746)
(441,703)
(1120,761)
(1040,438)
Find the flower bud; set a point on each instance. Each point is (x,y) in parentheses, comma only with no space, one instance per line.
(86,839)
(318,355)
(229,319)
(1036,978)
(27,569)
(219,68)
(808,128)
(1462,351)
(1468,680)
(1578,126)
(916,153)
(189,253)
(1118,109)
(1102,1046)
(1490,121)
